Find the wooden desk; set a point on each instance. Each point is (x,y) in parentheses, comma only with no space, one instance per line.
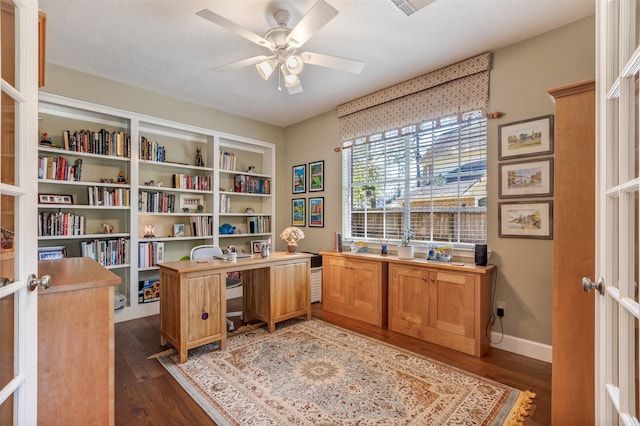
(76,359)
(193,304)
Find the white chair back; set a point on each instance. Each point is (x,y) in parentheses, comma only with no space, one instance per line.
(205,252)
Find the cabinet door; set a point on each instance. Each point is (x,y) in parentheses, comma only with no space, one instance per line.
(203,307)
(290,290)
(365,292)
(335,282)
(409,300)
(451,303)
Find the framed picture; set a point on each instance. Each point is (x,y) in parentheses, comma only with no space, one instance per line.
(316,176)
(526,219)
(256,245)
(532,178)
(55,199)
(299,179)
(298,214)
(53,252)
(316,212)
(191,202)
(178,229)
(525,138)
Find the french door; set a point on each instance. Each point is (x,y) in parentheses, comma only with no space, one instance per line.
(18,155)
(617,207)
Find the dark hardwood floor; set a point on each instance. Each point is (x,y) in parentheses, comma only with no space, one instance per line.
(146,394)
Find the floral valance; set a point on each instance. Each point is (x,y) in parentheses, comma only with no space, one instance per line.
(455,89)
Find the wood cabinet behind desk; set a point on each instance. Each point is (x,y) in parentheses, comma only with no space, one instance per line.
(443,306)
(355,288)
(76,343)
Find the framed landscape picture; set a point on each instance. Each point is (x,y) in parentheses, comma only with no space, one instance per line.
(298,213)
(316,212)
(526,220)
(532,178)
(299,179)
(526,138)
(316,176)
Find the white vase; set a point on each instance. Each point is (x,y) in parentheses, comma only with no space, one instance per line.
(405,252)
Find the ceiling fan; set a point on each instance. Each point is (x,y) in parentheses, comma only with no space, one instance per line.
(284,42)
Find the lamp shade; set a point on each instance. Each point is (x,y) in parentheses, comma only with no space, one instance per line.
(266,68)
(290,80)
(294,64)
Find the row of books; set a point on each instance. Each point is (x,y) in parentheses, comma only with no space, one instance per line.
(60,224)
(103,142)
(156,202)
(227,160)
(59,168)
(252,184)
(151,151)
(225,203)
(108,197)
(259,224)
(107,252)
(150,254)
(201,183)
(201,226)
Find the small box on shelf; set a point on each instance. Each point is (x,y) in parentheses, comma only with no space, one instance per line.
(148,291)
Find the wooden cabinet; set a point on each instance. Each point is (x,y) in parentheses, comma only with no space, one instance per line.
(355,287)
(76,358)
(573,254)
(445,306)
(443,303)
(192,308)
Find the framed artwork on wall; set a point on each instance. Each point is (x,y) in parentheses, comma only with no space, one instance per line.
(532,178)
(298,214)
(521,219)
(299,179)
(525,138)
(316,212)
(316,176)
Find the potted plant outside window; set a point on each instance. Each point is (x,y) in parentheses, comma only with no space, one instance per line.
(405,251)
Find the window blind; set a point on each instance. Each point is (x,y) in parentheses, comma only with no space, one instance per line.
(429,177)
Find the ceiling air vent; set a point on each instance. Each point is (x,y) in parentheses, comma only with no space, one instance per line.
(411,6)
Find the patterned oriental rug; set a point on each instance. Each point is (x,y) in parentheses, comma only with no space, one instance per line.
(311,372)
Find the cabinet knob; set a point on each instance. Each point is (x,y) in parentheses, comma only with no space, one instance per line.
(424,278)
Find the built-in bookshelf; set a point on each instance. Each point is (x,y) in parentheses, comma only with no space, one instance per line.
(132,191)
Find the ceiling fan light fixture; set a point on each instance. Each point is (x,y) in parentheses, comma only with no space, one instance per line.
(266,68)
(290,79)
(294,64)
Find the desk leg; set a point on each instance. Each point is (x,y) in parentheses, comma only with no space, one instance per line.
(271,327)
(183,353)
(163,341)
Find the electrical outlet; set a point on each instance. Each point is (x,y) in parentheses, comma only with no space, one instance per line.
(501,307)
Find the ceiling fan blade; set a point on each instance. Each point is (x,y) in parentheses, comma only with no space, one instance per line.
(295,89)
(317,17)
(242,63)
(344,64)
(232,26)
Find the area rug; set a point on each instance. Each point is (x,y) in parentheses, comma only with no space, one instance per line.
(312,372)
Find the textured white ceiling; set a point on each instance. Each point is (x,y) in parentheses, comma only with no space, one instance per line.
(161,45)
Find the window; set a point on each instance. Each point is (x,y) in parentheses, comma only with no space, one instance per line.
(430,177)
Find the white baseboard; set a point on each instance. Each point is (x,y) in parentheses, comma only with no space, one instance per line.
(522,347)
